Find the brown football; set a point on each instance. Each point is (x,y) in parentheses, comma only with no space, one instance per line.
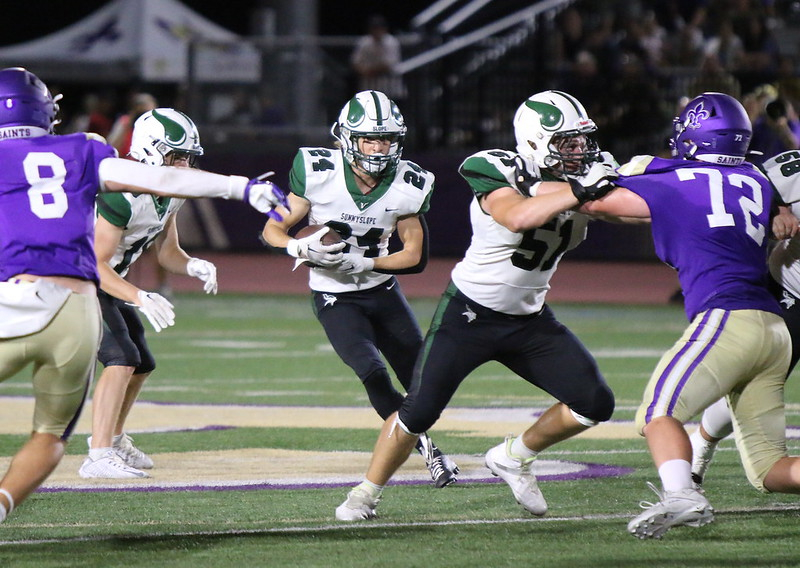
(329,238)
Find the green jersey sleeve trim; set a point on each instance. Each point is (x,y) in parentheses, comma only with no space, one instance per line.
(297,176)
(426,204)
(482,176)
(114,208)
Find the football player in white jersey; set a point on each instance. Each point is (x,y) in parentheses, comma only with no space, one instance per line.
(783,171)
(127,224)
(365,192)
(494,309)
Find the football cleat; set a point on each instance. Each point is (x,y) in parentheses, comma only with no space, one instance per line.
(358,506)
(444,470)
(685,507)
(109,466)
(130,454)
(516,472)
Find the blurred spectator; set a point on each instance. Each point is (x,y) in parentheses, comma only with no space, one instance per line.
(654,37)
(375,59)
(121,131)
(713,77)
(726,45)
(587,84)
(569,39)
(760,57)
(788,79)
(96,116)
(638,114)
(755,102)
(686,48)
(776,130)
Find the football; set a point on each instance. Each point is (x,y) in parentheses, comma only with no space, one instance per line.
(329,238)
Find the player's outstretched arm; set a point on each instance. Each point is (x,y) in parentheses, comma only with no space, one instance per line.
(117,174)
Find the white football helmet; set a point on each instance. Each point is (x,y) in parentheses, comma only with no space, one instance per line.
(163,131)
(554,130)
(370,114)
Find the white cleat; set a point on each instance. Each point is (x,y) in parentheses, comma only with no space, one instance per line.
(517,474)
(130,454)
(358,506)
(109,466)
(686,507)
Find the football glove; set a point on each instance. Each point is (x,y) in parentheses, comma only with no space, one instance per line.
(355,264)
(264,196)
(157,309)
(311,248)
(596,183)
(205,271)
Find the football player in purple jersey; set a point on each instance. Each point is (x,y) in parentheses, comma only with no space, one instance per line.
(49,313)
(783,170)
(710,216)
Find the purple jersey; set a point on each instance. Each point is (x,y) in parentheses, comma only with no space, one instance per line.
(710,223)
(47,193)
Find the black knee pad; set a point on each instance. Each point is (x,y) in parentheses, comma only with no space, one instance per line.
(383,397)
(602,404)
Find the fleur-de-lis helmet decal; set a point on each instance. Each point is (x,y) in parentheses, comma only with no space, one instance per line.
(713,127)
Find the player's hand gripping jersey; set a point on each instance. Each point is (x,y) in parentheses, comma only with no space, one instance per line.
(365,221)
(520,263)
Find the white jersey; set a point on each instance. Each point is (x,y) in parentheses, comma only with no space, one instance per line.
(505,271)
(365,222)
(141,216)
(783,171)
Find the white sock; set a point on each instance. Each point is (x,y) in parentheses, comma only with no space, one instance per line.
(371,489)
(4,511)
(520,450)
(675,475)
(97,453)
(717,420)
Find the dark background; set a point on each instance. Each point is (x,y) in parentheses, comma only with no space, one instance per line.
(24,20)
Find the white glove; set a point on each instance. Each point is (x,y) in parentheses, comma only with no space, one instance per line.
(311,248)
(264,196)
(157,309)
(355,264)
(205,271)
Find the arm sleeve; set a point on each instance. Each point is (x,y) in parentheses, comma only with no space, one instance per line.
(423,258)
(170,181)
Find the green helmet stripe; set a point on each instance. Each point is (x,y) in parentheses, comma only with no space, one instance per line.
(173,132)
(379,117)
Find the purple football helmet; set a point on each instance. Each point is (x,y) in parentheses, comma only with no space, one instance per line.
(713,127)
(25,100)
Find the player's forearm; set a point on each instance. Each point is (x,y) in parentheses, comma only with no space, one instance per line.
(115,285)
(117,174)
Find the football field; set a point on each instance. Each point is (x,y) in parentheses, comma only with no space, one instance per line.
(258,430)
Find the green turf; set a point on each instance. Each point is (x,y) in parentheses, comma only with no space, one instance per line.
(271,351)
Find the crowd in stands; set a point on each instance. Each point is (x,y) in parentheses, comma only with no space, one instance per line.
(634,63)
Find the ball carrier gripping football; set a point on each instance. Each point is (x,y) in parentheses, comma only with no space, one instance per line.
(364,192)
(316,245)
